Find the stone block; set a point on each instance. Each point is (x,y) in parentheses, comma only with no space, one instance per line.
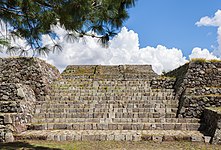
(207,139)
(119,137)
(192,126)
(76,127)
(50,126)
(146,137)
(69,137)
(20,92)
(7,119)
(178,127)
(128,137)
(63,137)
(168,138)
(168,126)
(77,137)
(87,137)
(157,138)
(57,137)
(50,137)
(110,137)
(60,126)
(127,127)
(196,138)
(103,137)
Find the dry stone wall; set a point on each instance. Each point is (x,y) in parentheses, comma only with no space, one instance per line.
(33,72)
(163,83)
(23,82)
(16,108)
(198,86)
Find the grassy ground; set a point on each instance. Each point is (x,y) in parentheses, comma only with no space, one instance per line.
(106,145)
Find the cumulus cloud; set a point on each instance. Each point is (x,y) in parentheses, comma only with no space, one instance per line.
(123,49)
(210,21)
(216,22)
(202,53)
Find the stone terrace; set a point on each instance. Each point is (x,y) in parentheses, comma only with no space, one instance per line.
(110,103)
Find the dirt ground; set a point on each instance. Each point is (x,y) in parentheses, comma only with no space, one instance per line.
(106,145)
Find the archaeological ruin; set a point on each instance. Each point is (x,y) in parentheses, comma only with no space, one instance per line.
(121,103)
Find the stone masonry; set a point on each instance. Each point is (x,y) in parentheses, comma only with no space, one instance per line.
(23,83)
(94,102)
(123,102)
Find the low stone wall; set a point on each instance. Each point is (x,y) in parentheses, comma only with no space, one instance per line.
(212,119)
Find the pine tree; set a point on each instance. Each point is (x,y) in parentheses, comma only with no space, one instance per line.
(30,19)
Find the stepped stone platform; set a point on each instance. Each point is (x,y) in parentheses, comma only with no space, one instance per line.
(122,102)
(110,103)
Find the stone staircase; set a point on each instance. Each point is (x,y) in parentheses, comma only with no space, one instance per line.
(110,103)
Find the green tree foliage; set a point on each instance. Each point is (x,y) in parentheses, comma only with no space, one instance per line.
(30,19)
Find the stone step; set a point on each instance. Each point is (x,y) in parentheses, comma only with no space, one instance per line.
(104,96)
(115,126)
(148,75)
(67,104)
(136,89)
(113,135)
(119,102)
(96,83)
(114,95)
(110,110)
(105,115)
(83,86)
(116,120)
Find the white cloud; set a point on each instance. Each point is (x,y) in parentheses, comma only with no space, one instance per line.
(202,53)
(213,21)
(123,49)
(210,21)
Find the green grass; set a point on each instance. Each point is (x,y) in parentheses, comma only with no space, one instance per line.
(198,60)
(215,60)
(203,60)
(106,145)
(166,77)
(217,109)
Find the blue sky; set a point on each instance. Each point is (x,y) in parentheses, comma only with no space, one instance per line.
(172,23)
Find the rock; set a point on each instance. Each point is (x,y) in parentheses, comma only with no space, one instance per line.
(9,136)
(196,138)
(168,138)
(157,138)
(20,92)
(7,119)
(207,139)
(5,97)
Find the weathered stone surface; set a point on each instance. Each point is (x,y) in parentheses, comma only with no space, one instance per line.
(94,102)
(20,92)
(7,119)
(197,86)
(9,137)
